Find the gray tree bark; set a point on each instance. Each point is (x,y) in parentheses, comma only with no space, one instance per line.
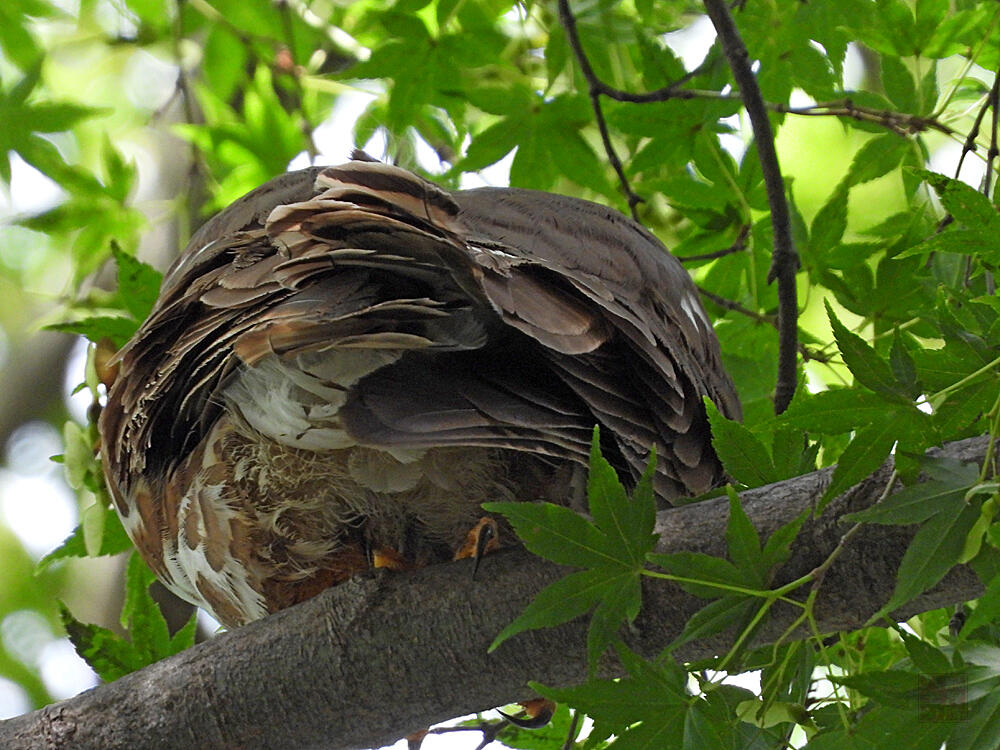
(378,657)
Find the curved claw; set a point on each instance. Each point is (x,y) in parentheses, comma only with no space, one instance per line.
(537,713)
(481,539)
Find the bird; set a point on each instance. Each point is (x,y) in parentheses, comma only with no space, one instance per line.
(348,361)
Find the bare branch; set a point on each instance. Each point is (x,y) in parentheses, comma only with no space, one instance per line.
(379,657)
(771,320)
(784,259)
(738,246)
(595,89)
(900,123)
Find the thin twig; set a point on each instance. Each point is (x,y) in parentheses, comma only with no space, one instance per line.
(571,734)
(595,86)
(489,729)
(738,246)
(284,60)
(969,147)
(970,140)
(784,259)
(729,304)
(901,123)
(994,103)
(771,320)
(991,155)
(819,572)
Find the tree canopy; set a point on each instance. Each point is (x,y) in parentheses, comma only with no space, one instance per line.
(825,171)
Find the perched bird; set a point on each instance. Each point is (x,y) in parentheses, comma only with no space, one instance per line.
(349,360)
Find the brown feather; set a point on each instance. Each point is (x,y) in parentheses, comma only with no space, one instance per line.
(352,358)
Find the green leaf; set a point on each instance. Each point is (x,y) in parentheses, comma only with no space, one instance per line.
(532,167)
(925,657)
(865,453)
(987,608)
(788,450)
(108,654)
(886,727)
(141,614)
(491,145)
(892,688)
(701,571)
(914,504)
(17,42)
(965,203)
(560,602)
(742,454)
(861,359)
(981,730)
(705,729)
(185,637)
(614,547)
(835,411)
(935,549)
(138,283)
(973,242)
(628,527)
(113,541)
(78,455)
(827,229)
(899,84)
(652,696)
(121,175)
(778,547)
(925,693)
(620,603)
(559,534)
(225,61)
(97,327)
(744,542)
(716,617)
(877,158)
(573,156)
(902,366)
(92,523)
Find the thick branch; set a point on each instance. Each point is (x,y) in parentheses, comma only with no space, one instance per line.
(375,658)
(784,261)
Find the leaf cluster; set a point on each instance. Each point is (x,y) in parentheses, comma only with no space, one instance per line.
(113,656)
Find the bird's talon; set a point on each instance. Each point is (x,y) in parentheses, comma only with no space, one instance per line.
(390,559)
(482,539)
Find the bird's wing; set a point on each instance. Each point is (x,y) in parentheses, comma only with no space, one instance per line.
(645,384)
(516,319)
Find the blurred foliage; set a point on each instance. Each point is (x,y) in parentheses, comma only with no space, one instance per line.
(148,115)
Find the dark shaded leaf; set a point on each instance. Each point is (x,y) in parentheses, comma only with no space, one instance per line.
(562,601)
(861,359)
(744,543)
(935,549)
(865,453)
(742,454)
(108,654)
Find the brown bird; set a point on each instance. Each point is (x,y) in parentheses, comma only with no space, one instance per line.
(348,361)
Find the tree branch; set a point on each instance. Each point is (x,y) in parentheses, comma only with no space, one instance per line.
(378,657)
(595,89)
(784,259)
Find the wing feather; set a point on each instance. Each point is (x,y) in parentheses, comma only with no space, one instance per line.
(506,318)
